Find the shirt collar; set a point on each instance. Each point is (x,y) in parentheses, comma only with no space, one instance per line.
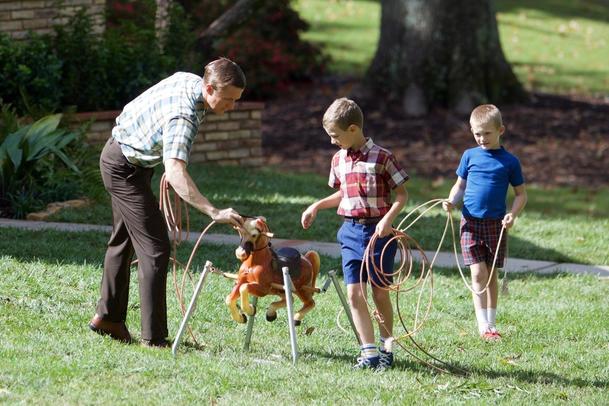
(362,151)
(200,108)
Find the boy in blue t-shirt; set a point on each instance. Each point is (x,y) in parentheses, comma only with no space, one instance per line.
(484,174)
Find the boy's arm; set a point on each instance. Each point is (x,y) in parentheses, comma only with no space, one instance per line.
(384,227)
(311,212)
(455,195)
(520,200)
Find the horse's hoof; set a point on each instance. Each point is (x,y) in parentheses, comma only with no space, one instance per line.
(271,317)
(243,319)
(297,322)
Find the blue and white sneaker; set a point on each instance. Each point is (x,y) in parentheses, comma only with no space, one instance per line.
(385,360)
(367,363)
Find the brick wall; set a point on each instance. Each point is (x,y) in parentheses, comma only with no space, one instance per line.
(19,16)
(233,138)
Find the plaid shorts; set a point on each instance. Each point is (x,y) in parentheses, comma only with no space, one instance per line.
(479,239)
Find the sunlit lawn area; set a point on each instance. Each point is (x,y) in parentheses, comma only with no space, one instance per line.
(573,231)
(555,346)
(554,45)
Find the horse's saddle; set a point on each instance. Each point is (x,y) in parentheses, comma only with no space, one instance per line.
(289,257)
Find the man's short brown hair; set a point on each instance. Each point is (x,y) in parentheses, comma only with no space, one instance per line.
(486,113)
(223,72)
(343,112)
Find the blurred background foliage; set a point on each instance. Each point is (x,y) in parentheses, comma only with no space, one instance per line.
(77,67)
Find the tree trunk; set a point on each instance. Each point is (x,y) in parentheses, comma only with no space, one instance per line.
(161,21)
(442,53)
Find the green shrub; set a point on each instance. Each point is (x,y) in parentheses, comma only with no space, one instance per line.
(30,158)
(30,75)
(83,80)
(78,67)
(268,46)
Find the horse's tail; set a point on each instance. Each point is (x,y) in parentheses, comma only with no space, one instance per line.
(313,258)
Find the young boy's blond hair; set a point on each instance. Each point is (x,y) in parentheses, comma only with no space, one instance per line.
(222,73)
(342,113)
(486,114)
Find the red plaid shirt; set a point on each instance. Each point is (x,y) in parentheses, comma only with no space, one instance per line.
(365,178)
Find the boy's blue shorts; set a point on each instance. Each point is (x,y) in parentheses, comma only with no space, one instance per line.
(353,239)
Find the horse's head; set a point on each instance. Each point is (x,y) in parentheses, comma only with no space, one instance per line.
(255,235)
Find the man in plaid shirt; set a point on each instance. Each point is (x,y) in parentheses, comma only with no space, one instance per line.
(364,174)
(159,126)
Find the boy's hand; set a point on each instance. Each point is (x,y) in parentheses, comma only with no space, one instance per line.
(383,228)
(308,216)
(508,220)
(447,205)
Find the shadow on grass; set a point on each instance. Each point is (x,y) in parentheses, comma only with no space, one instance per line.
(588,9)
(409,364)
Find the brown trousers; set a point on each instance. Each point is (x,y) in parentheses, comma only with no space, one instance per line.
(138,226)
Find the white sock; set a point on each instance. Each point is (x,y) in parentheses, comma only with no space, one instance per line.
(491,316)
(369,350)
(386,344)
(482,320)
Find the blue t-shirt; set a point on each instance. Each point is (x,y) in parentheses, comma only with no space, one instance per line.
(488,174)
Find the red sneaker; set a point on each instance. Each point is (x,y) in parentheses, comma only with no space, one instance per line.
(491,334)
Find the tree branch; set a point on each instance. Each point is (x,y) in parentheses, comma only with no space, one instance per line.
(227,23)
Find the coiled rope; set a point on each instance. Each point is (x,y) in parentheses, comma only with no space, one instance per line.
(401,278)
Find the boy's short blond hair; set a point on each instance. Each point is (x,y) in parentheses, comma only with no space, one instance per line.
(343,112)
(486,113)
(223,72)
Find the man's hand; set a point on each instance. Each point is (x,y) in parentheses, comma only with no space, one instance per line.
(383,228)
(308,216)
(227,216)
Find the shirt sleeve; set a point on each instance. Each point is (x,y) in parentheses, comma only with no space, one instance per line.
(395,175)
(462,169)
(516,177)
(334,180)
(178,135)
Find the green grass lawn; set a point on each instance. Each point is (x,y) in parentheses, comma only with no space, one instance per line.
(559,224)
(557,46)
(554,351)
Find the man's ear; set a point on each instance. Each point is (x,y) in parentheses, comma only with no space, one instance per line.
(209,89)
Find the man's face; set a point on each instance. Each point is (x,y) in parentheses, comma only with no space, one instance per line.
(487,135)
(221,99)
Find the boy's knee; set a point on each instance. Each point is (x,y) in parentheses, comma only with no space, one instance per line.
(355,295)
(479,272)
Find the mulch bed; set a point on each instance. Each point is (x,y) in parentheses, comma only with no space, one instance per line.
(560,140)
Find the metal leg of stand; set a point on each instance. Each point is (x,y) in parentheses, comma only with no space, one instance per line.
(250,326)
(191,308)
(343,300)
(287,286)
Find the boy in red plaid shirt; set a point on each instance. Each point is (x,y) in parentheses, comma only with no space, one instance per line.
(484,174)
(364,175)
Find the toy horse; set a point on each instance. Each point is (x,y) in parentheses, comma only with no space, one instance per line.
(260,273)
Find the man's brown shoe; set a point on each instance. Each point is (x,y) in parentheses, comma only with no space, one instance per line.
(116,330)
